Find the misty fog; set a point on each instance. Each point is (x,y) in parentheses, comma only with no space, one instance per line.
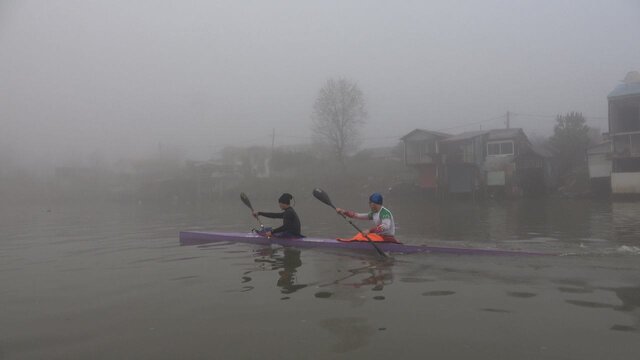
(129,128)
(114,80)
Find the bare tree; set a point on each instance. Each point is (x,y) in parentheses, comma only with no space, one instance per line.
(337,114)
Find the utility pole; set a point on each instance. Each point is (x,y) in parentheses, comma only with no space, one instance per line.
(508,119)
(270,159)
(273,140)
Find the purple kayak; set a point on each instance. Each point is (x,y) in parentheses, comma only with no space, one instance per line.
(205,237)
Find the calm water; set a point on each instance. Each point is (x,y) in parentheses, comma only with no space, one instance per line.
(112,282)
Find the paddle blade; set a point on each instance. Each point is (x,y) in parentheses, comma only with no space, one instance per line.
(245,200)
(322,196)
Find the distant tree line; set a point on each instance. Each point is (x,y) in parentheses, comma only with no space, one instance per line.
(330,160)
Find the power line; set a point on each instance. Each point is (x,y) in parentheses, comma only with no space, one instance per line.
(556,116)
(473,123)
(294,137)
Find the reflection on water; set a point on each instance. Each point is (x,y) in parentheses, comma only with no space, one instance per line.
(414,280)
(624,328)
(375,274)
(114,283)
(629,300)
(492,310)
(576,225)
(521,294)
(438,293)
(590,304)
(573,290)
(350,333)
(287,280)
(625,219)
(286,260)
(630,297)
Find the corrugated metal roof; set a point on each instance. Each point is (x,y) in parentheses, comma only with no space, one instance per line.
(625,90)
(542,150)
(602,148)
(502,134)
(435,133)
(465,136)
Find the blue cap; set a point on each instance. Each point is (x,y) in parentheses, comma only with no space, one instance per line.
(376,198)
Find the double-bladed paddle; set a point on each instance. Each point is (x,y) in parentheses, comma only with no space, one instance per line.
(324,197)
(245,200)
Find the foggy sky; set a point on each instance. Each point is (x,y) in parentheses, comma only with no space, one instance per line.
(115,78)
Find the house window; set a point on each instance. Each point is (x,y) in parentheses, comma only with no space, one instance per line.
(412,150)
(429,148)
(420,151)
(467,153)
(627,119)
(500,148)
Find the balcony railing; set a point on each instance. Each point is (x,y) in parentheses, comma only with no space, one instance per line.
(421,152)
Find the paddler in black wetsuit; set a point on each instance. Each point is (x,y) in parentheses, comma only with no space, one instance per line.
(290,222)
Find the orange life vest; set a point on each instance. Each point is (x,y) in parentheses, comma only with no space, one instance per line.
(373,237)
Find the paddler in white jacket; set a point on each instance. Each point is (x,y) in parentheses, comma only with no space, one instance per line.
(382,218)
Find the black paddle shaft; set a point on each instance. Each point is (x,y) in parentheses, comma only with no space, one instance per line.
(245,200)
(324,197)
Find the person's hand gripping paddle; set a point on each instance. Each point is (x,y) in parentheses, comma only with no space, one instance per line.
(245,200)
(324,197)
